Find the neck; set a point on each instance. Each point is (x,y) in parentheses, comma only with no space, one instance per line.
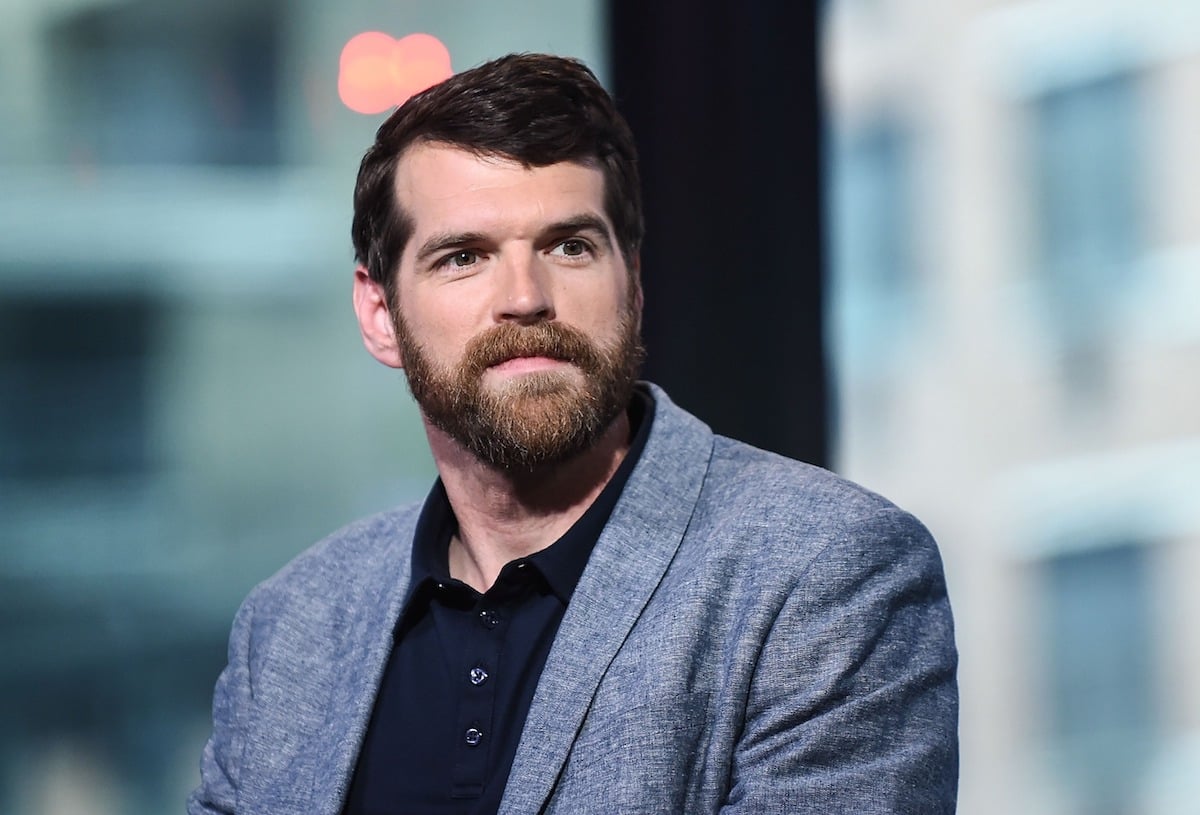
(504,515)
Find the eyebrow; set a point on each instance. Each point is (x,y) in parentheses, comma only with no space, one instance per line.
(584,222)
(443,241)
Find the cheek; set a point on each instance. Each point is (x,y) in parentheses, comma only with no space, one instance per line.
(442,329)
(606,307)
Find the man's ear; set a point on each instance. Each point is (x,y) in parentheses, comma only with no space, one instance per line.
(375,319)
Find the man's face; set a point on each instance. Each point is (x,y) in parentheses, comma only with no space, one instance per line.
(516,317)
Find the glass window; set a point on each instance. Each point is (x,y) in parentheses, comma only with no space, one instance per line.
(170,84)
(1086,211)
(1100,670)
(871,245)
(73,374)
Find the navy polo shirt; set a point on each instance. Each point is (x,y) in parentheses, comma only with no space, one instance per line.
(464,665)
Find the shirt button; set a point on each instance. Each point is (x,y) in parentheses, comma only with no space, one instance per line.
(478,676)
(489,619)
(473,736)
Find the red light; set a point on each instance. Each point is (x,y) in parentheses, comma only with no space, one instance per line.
(378,72)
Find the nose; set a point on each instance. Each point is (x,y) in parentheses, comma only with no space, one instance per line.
(523,290)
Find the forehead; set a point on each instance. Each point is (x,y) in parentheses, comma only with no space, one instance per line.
(446,188)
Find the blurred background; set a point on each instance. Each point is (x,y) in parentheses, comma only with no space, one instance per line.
(1009,297)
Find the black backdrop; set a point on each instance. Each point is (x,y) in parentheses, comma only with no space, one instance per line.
(724,102)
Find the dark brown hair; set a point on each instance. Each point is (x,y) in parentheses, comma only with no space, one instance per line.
(532,108)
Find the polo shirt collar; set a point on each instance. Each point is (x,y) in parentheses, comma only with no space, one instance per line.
(562,562)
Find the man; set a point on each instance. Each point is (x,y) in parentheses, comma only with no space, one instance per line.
(601,607)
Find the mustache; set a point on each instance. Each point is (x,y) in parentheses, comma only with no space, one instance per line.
(548,339)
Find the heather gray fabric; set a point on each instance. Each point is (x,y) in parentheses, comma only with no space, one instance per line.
(751,635)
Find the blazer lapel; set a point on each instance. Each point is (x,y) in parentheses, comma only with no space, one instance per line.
(362,672)
(627,564)
(354,630)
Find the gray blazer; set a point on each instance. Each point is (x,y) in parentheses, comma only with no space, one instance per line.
(751,635)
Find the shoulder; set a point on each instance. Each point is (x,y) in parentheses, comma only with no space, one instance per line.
(345,562)
(760,508)
(745,482)
(797,520)
(767,488)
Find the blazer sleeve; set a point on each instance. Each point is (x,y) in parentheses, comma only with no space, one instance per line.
(854,703)
(220,764)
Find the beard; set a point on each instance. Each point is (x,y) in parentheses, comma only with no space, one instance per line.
(535,419)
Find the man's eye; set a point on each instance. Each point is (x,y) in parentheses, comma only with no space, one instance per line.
(572,247)
(460,259)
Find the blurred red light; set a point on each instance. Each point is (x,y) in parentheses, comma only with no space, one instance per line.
(377,72)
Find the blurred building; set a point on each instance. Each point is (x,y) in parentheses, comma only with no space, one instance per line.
(1015,199)
(184,400)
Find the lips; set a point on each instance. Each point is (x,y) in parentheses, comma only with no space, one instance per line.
(521,364)
(527,346)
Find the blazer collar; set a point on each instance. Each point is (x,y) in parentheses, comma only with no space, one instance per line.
(626,566)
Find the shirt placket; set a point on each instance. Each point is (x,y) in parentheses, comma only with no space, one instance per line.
(474,671)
